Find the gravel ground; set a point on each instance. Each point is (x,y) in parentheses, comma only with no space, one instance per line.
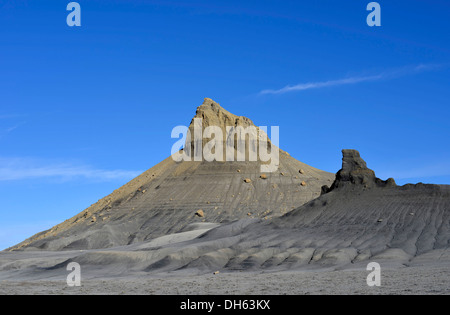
(404,281)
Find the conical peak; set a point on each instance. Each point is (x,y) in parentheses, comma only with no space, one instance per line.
(188,187)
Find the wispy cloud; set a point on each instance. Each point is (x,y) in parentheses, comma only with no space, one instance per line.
(386,75)
(22,169)
(11,129)
(10,116)
(7,116)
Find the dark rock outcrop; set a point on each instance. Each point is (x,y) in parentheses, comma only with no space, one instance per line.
(356,174)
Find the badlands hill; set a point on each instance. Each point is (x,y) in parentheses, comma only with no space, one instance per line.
(168,198)
(358,219)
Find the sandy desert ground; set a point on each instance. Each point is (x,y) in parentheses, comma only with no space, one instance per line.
(432,279)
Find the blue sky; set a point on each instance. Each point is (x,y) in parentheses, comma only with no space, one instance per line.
(85,109)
